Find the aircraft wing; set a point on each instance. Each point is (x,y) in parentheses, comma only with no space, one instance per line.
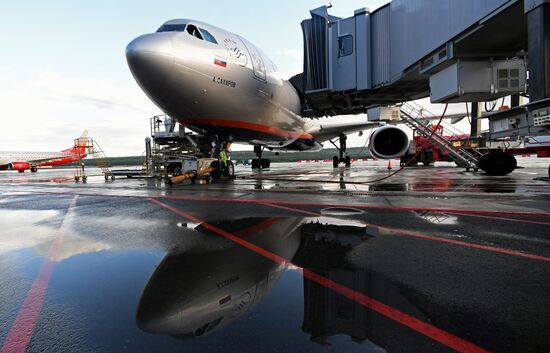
(327,132)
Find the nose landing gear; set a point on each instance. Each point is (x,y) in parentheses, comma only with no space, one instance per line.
(260,163)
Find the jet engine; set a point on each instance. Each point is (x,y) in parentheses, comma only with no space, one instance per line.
(21,166)
(388,142)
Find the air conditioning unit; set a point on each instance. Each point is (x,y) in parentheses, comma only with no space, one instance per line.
(381,113)
(478,81)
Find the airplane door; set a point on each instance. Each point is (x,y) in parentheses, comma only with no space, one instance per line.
(258,64)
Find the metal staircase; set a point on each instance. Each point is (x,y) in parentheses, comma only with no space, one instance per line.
(93,149)
(419,119)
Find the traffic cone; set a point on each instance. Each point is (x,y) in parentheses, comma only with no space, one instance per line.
(389,164)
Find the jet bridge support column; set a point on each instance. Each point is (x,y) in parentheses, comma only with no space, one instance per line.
(538,19)
(475,124)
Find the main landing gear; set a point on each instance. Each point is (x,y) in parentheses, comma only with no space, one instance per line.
(260,163)
(344,157)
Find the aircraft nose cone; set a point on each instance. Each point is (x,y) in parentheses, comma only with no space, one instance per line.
(151,57)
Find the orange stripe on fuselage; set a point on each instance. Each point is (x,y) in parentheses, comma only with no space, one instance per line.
(247,126)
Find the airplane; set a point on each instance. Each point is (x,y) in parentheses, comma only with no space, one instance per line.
(22,161)
(221,86)
(201,288)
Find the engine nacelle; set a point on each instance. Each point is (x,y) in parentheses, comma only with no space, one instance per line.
(388,142)
(19,166)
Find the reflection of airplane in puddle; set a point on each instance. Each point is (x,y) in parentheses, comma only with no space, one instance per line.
(194,293)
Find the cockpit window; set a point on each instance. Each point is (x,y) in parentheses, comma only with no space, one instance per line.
(208,36)
(172,28)
(194,31)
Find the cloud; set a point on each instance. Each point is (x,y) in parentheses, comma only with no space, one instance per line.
(291,53)
(289,61)
(45,112)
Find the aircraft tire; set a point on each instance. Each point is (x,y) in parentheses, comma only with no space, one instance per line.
(34,169)
(498,163)
(265,163)
(230,170)
(255,163)
(347,160)
(335,162)
(215,173)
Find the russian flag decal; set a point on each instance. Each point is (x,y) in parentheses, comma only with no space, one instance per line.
(218,60)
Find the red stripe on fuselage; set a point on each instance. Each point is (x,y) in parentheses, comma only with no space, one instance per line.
(247,126)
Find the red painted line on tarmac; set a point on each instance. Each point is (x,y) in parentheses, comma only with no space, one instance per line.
(375,207)
(256,228)
(290,209)
(424,328)
(315,204)
(501,218)
(399,231)
(466,244)
(21,331)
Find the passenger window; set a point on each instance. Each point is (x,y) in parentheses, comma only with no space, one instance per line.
(194,31)
(172,28)
(209,37)
(345,45)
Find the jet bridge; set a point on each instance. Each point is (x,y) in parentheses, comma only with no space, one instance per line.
(450,50)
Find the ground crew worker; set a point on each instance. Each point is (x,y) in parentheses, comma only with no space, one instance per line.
(223,160)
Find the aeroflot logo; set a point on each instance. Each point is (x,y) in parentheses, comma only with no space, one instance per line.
(218,60)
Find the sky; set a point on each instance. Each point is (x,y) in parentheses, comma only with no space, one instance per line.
(63,68)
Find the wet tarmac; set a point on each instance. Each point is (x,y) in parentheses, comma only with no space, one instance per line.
(297,258)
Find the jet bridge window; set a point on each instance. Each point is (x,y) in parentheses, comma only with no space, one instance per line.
(345,45)
(194,31)
(208,36)
(172,28)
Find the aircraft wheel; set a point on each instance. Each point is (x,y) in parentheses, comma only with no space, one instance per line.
(265,163)
(34,169)
(21,171)
(216,172)
(335,162)
(230,171)
(84,179)
(255,163)
(498,163)
(347,160)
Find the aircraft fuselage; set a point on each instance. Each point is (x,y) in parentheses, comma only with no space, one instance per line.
(216,82)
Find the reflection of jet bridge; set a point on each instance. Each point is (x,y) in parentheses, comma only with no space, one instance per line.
(450,50)
(327,313)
